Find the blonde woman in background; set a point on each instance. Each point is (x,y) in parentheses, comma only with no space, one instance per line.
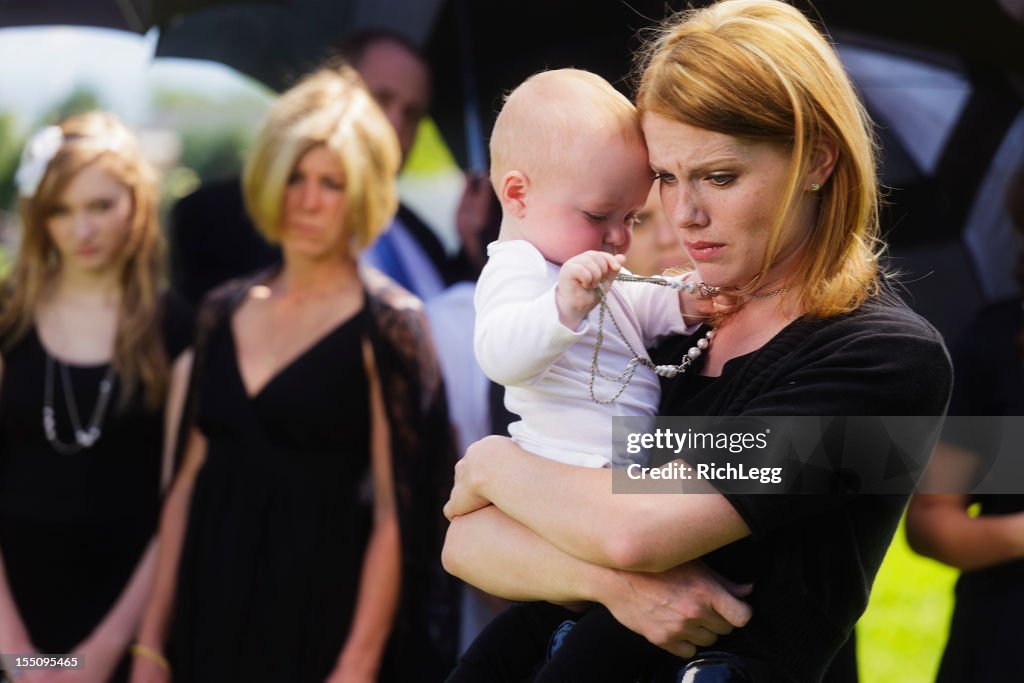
(86,341)
(304,517)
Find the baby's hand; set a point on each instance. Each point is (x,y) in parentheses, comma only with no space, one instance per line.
(578,282)
(697,308)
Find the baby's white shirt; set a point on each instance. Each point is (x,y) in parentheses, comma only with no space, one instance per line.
(545,367)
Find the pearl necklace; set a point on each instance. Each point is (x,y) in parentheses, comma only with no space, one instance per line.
(667,371)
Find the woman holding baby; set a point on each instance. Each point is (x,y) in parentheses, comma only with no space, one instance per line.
(764,161)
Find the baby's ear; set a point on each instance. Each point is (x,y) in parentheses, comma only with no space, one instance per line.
(512,193)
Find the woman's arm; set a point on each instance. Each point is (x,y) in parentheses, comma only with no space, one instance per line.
(381,576)
(938,525)
(108,641)
(574,509)
(676,610)
(471,553)
(173,521)
(14,637)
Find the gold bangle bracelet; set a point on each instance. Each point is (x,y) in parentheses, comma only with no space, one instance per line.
(146,652)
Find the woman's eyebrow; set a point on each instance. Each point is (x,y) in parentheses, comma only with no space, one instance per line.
(717,163)
(703,164)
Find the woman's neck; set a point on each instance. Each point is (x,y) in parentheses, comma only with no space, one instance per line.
(305,279)
(754,323)
(77,317)
(87,287)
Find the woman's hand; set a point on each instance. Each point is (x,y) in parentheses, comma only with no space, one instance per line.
(101,656)
(470,474)
(679,609)
(146,670)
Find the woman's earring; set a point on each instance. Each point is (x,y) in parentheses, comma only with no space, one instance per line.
(815,187)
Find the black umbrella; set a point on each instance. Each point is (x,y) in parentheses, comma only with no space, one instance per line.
(474,52)
(478,56)
(500,50)
(277,44)
(127,15)
(983,33)
(944,216)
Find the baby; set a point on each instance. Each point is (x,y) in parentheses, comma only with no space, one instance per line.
(570,168)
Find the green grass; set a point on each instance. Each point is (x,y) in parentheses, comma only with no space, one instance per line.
(901,635)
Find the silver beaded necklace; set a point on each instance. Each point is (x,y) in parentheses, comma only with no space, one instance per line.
(626,376)
(90,434)
(668,371)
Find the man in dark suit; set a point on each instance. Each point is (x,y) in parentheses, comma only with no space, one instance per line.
(398,76)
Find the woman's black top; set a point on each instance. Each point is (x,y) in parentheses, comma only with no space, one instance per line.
(812,558)
(73,527)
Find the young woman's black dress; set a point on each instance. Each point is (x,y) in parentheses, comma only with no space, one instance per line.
(985,637)
(280,516)
(73,527)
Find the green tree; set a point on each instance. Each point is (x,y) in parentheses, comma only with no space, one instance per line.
(10,152)
(82,99)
